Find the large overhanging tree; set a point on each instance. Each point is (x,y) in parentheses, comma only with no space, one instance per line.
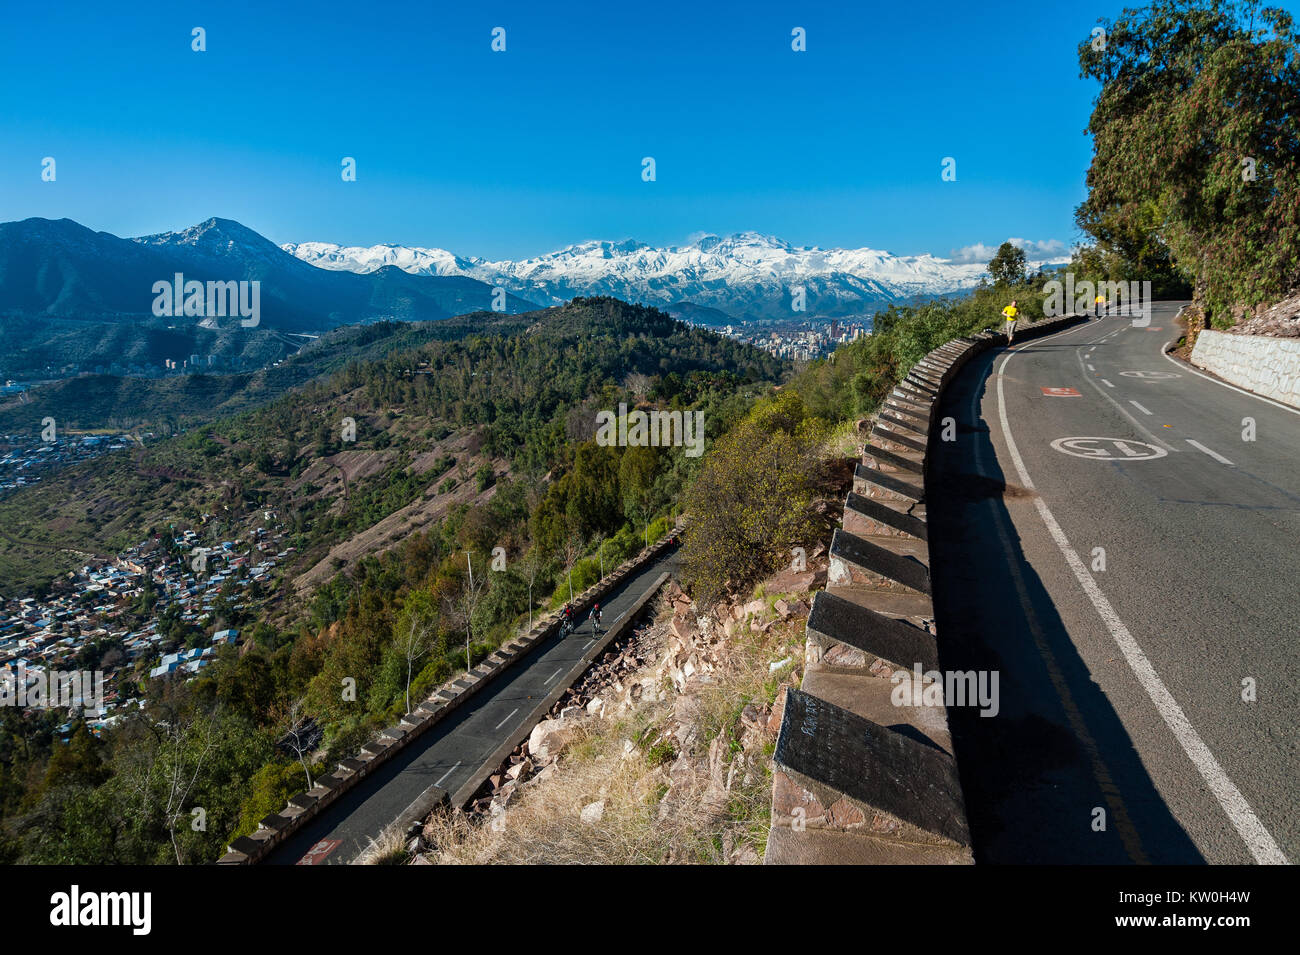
(1197,146)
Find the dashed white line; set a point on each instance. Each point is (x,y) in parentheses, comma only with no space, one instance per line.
(507,719)
(551,677)
(1214,454)
(1234,804)
(1138,406)
(1107,383)
(1091,367)
(448,773)
(1153,438)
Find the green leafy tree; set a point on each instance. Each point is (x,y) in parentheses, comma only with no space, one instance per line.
(636,479)
(1008,264)
(76,763)
(1196,141)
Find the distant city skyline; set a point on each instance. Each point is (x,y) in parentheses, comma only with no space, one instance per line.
(518,153)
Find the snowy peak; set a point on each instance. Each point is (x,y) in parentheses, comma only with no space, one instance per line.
(417,261)
(747,274)
(211,234)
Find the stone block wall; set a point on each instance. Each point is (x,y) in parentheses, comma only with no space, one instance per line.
(1267,366)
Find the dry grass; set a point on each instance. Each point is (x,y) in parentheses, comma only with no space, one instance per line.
(543,822)
(388,849)
(708,803)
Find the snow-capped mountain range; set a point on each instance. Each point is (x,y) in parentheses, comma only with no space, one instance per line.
(747,275)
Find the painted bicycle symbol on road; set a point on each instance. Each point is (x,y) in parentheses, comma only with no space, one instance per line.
(1108,449)
(1151,375)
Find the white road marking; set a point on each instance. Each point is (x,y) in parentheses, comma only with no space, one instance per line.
(1131,420)
(1107,383)
(448,773)
(507,719)
(1098,449)
(551,677)
(1234,804)
(1128,835)
(1091,367)
(1138,406)
(1214,454)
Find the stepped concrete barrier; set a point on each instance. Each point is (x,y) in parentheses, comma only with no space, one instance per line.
(864,770)
(1265,365)
(865,516)
(277,827)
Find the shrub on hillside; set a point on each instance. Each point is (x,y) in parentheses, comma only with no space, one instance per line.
(752,501)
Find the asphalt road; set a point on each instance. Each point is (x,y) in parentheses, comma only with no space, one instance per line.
(448,754)
(1129,589)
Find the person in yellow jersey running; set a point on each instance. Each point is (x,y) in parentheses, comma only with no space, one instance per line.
(1100,303)
(1010,313)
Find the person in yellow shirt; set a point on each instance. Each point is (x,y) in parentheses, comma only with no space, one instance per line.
(1010,313)
(1100,303)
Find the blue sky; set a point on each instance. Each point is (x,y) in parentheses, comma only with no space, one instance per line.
(518,153)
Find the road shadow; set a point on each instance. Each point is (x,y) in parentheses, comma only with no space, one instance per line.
(1035,774)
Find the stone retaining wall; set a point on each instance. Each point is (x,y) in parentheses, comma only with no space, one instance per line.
(858,776)
(1258,363)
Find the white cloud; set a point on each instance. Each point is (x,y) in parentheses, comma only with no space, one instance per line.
(1035,251)
(979,252)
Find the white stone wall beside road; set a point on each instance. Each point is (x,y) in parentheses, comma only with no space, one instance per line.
(1264,365)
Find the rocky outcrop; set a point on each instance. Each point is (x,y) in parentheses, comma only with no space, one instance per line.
(1280,320)
(671,679)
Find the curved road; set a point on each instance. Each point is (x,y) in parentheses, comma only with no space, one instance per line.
(450,753)
(1125,556)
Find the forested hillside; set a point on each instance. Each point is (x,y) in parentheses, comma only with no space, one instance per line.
(165,406)
(510,379)
(506,415)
